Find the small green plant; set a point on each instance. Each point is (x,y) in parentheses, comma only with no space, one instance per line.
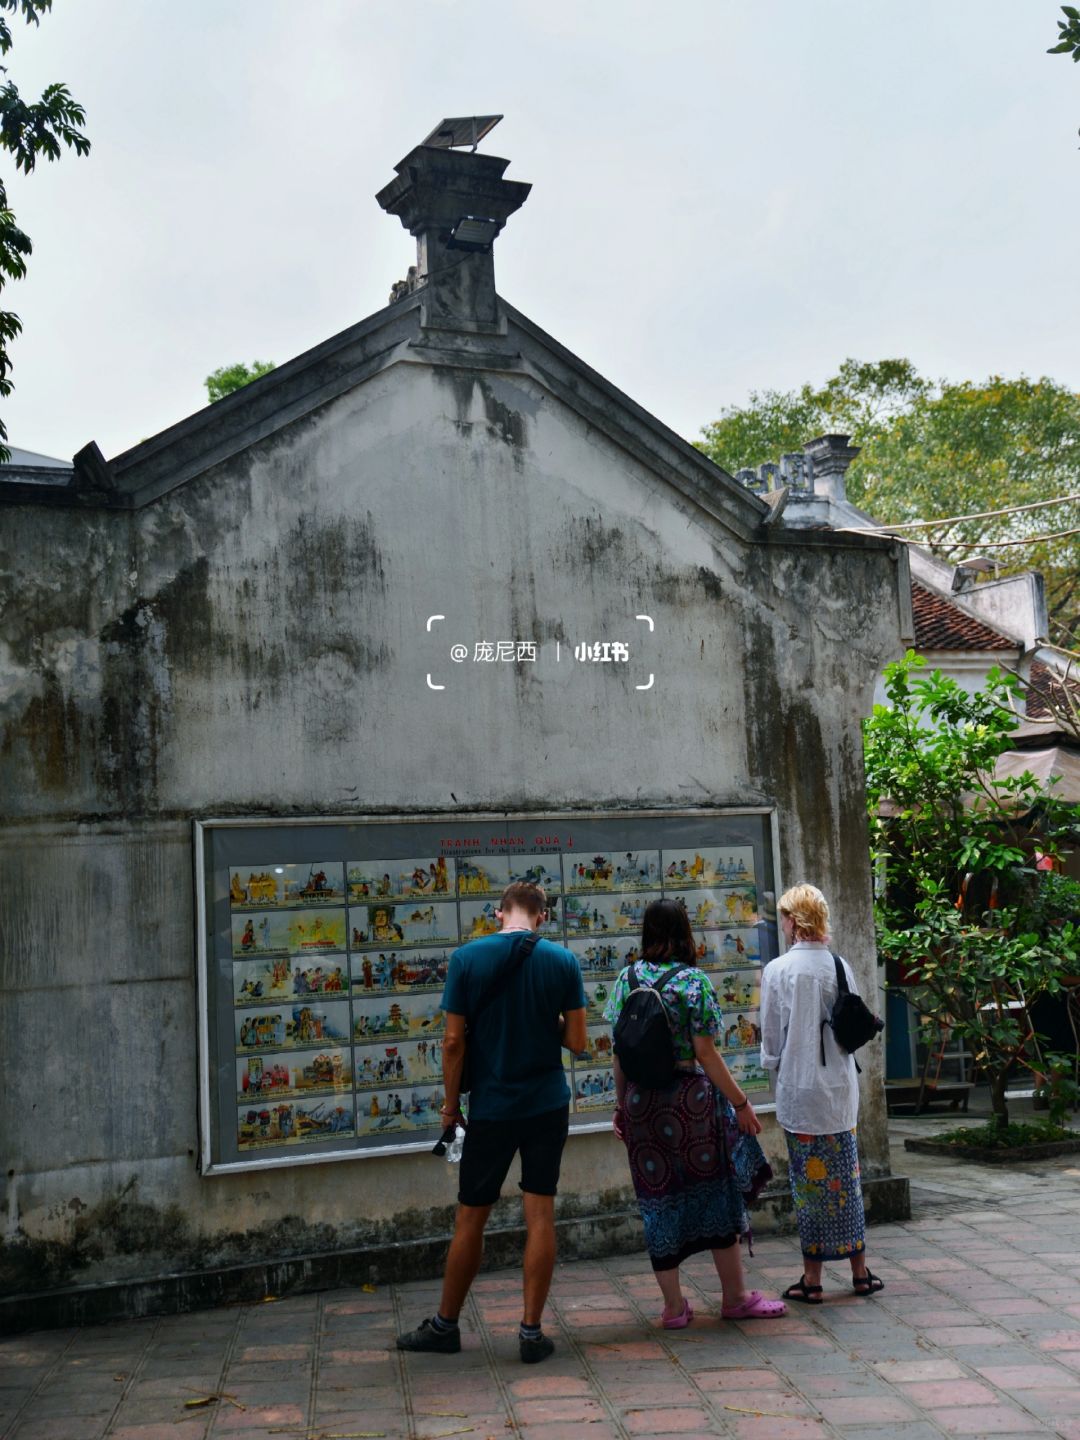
(1058,1088)
(1006,1137)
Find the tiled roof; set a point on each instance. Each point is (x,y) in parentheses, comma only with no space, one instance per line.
(940,624)
(1044,681)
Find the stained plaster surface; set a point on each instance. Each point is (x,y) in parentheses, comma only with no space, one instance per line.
(976,1333)
(254,641)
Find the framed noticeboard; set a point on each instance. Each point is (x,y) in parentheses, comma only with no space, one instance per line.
(323,948)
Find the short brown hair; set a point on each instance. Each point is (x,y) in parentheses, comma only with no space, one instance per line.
(524,895)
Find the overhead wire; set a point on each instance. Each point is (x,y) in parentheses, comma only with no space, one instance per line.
(964,544)
(956,519)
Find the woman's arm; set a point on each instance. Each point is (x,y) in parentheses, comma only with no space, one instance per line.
(772,1025)
(712,1062)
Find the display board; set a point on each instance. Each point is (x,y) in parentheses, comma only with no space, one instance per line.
(324,946)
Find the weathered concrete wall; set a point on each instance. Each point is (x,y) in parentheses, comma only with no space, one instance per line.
(254,642)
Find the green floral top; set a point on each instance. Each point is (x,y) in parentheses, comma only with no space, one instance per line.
(690,1002)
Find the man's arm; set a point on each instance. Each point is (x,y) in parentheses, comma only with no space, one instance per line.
(453,1058)
(572,1031)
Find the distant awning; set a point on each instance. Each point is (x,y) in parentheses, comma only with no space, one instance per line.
(1055,760)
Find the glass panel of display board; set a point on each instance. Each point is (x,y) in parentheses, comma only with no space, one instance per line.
(324,947)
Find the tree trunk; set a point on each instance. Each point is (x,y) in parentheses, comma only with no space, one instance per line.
(997,1097)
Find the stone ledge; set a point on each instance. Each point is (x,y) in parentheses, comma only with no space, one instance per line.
(580,1238)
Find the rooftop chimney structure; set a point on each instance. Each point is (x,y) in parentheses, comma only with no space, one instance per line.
(455,202)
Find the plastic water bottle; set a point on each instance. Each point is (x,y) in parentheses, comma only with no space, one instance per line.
(453,1150)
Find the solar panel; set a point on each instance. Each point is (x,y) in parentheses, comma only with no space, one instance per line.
(463,130)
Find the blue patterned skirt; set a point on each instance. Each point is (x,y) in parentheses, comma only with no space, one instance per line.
(693,1172)
(827,1194)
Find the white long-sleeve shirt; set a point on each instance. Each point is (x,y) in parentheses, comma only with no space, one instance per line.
(797,993)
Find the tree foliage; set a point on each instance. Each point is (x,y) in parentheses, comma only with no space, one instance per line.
(1068,41)
(228,378)
(937,450)
(29,130)
(965,911)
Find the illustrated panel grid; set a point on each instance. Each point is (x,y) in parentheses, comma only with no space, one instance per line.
(324,977)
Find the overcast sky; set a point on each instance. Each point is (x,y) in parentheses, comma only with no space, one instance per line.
(728,195)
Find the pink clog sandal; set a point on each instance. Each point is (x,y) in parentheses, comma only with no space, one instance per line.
(678,1322)
(754,1306)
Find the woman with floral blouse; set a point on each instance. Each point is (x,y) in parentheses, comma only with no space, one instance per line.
(694,1160)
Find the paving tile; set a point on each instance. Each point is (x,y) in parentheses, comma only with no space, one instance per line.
(866,1410)
(985,1420)
(257,1417)
(74,1404)
(855,1382)
(949,1336)
(276,1353)
(667,1421)
(1050,1401)
(1012,1305)
(739,1378)
(571,1430)
(755,1427)
(162,1430)
(939,1394)
(918,1431)
(652,1392)
(1026,1377)
(898,1370)
(1060,1340)
(545,1384)
(776,1402)
(56,1428)
(578,1408)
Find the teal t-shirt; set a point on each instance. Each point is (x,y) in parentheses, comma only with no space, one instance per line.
(515,1051)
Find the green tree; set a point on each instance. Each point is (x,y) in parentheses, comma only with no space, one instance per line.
(29,130)
(965,448)
(772,423)
(860,400)
(982,932)
(935,451)
(228,378)
(1068,34)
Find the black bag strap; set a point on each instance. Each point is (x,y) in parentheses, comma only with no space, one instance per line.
(842,988)
(520,952)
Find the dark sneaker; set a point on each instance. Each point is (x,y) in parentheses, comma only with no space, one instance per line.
(426,1337)
(533,1351)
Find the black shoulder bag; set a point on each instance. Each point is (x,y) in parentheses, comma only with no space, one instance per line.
(522,950)
(851,1019)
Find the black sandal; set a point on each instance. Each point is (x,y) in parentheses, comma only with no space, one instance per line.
(868,1284)
(801,1291)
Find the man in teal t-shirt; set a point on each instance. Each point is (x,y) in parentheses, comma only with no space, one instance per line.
(519,1102)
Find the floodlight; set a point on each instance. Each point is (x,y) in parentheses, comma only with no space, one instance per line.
(474,232)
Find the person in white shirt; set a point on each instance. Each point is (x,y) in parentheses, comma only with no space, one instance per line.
(817,1104)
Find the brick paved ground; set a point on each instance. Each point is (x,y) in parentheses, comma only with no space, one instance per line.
(977,1334)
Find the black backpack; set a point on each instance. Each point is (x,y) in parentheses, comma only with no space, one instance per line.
(642,1034)
(852,1021)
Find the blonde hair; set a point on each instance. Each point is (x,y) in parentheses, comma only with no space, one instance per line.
(809,909)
